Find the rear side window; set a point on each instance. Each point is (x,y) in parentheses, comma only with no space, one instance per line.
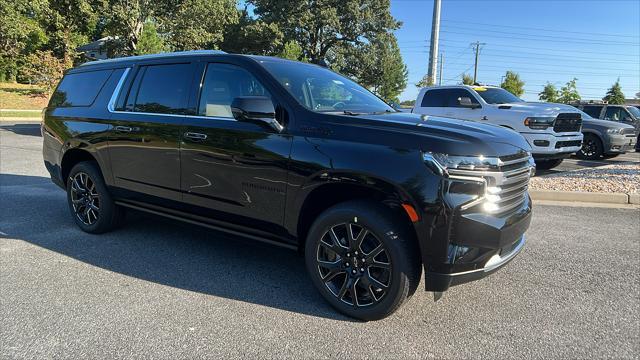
(79,89)
(160,89)
(434,98)
(593,111)
(453,95)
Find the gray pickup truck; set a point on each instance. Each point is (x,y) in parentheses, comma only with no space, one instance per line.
(605,138)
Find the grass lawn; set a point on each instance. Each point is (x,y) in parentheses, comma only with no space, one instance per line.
(21,114)
(21,96)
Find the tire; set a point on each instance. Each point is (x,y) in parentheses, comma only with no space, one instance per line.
(547,164)
(386,263)
(591,148)
(89,200)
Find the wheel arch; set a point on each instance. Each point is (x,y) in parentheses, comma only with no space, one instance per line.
(329,194)
(73,156)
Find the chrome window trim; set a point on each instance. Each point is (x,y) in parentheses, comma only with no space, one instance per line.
(116,92)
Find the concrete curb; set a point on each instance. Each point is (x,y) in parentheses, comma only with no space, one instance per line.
(591,197)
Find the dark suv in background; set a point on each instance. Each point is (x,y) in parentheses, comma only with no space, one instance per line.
(625,114)
(295,155)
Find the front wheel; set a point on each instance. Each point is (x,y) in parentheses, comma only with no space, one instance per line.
(362,259)
(591,149)
(547,164)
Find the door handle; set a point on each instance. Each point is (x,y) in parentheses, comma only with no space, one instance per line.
(484,118)
(123,129)
(195,136)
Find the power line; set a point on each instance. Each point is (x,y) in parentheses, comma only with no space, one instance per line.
(581,42)
(541,29)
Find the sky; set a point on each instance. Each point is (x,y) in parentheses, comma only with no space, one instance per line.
(543,41)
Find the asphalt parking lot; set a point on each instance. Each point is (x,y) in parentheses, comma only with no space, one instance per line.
(161,289)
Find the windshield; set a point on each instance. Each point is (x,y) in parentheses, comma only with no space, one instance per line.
(496,95)
(634,111)
(584,115)
(323,90)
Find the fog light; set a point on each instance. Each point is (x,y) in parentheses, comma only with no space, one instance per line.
(616,147)
(543,143)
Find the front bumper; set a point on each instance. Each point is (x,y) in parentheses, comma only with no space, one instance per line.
(441,282)
(549,144)
(619,144)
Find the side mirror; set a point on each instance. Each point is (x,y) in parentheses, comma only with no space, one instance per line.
(465,102)
(255,109)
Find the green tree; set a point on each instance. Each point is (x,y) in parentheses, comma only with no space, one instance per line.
(424,82)
(43,68)
(569,92)
(68,24)
(125,21)
(199,24)
(320,26)
(383,73)
(467,79)
(150,42)
(614,94)
(549,93)
(253,36)
(513,84)
(291,50)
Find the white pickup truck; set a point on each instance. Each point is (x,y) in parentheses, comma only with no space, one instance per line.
(552,130)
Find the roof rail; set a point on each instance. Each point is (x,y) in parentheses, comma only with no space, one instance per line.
(589,102)
(156,56)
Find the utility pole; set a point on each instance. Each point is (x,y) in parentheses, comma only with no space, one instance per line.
(440,72)
(477,44)
(433,48)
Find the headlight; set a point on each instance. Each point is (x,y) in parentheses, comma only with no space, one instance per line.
(615,131)
(539,123)
(445,162)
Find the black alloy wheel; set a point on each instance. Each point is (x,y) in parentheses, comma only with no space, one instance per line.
(90,202)
(85,199)
(354,264)
(363,258)
(591,148)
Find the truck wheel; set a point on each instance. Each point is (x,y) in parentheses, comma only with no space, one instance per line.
(362,259)
(547,164)
(89,200)
(591,148)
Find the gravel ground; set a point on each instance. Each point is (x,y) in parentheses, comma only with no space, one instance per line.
(610,179)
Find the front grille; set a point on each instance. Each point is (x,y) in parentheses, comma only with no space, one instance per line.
(561,144)
(567,122)
(509,182)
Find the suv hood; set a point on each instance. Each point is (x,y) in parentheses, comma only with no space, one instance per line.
(445,135)
(591,123)
(539,108)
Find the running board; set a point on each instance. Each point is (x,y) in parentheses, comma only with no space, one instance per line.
(210,226)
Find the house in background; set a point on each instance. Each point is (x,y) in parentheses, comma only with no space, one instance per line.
(96,50)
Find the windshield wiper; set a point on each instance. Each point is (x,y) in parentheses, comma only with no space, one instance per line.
(347,112)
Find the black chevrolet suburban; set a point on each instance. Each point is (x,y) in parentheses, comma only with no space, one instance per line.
(295,155)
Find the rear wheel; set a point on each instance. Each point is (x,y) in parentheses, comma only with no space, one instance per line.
(89,200)
(362,259)
(591,148)
(547,164)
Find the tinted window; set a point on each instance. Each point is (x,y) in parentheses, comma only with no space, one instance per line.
(434,98)
(323,90)
(593,111)
(496,95)
(223,83)
(163,89)
(79,89)
(615,113)
(453,96)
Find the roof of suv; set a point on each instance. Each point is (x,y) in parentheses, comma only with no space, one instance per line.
(155,56)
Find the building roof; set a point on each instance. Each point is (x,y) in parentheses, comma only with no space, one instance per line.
(96,45)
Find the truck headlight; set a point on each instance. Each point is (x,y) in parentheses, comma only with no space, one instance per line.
(539,123)
(615,131)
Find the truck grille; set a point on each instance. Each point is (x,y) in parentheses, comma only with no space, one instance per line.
(572,143)
(507,186)
(567,122)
